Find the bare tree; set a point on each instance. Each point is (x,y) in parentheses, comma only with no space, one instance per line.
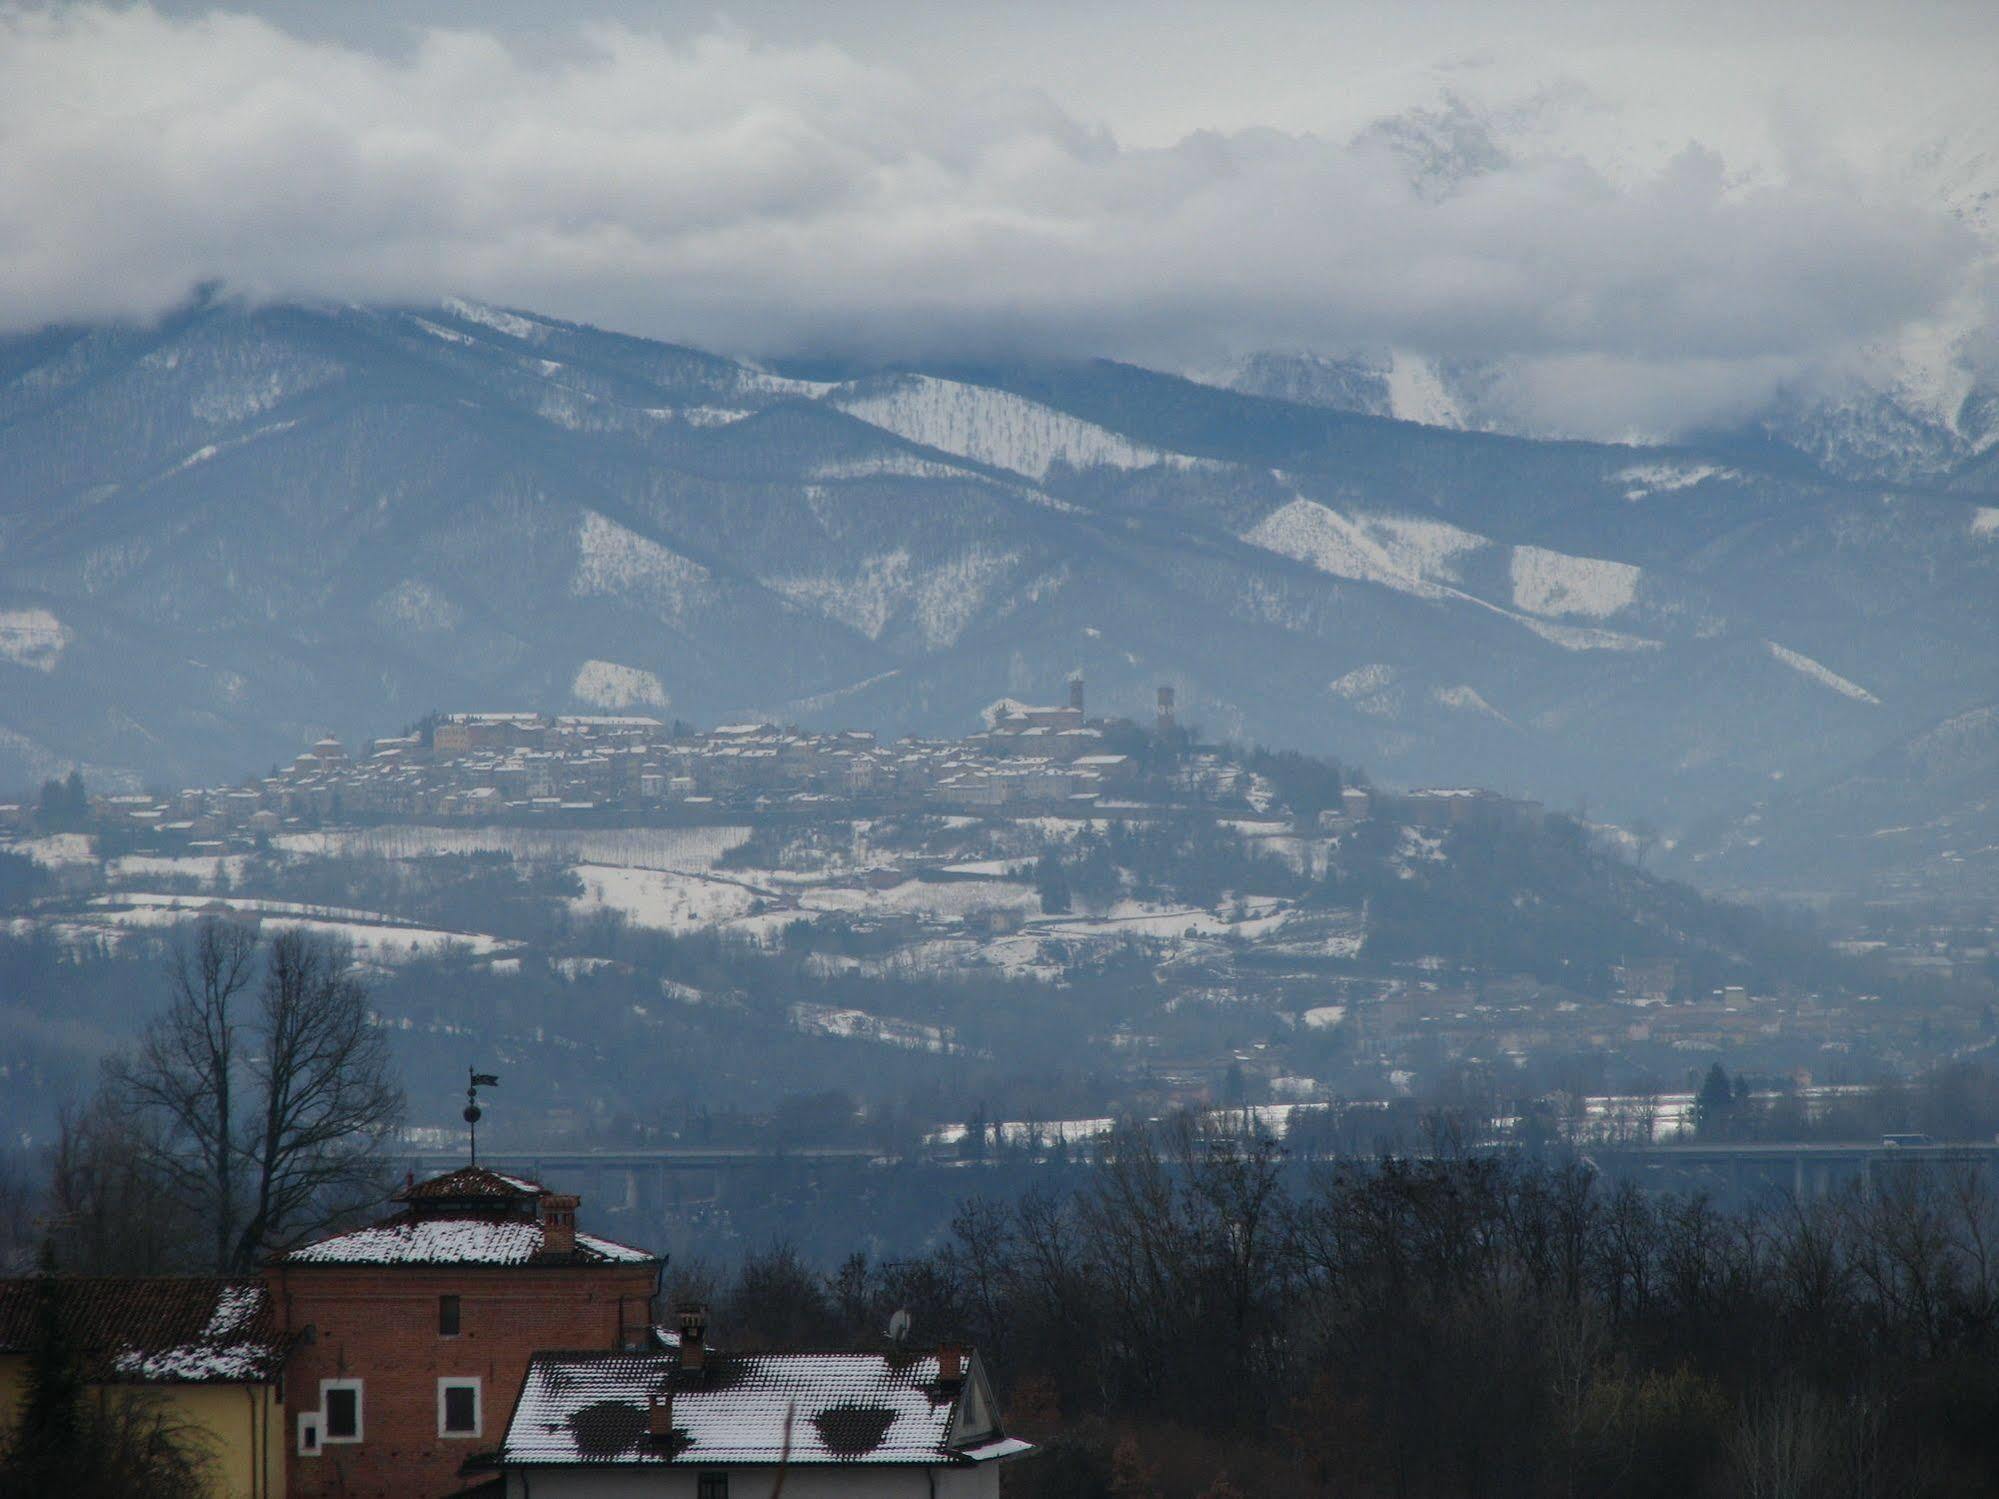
(268,1114)
(186,1076)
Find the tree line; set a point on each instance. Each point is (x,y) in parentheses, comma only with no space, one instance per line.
(1201,1317)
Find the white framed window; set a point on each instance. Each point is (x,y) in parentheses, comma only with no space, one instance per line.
(308,1433)
(339,1410)
(460,1410)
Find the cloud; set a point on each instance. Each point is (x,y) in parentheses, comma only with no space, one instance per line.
(770,199)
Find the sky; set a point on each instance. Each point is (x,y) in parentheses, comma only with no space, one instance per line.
(1656,216)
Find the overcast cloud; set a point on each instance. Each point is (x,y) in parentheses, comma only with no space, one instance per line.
(799,192)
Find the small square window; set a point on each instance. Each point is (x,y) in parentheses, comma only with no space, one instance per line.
(340,1408)
(447,1316)
(713,1486)
(308,1433)
(458,1407)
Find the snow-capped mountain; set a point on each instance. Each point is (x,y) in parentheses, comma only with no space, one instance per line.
(224,535)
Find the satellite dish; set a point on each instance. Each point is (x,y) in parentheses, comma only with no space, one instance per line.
(898,1326)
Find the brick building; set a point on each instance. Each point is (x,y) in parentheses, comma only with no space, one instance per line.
(413,1337)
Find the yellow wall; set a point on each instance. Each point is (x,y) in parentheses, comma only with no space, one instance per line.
(244,1426)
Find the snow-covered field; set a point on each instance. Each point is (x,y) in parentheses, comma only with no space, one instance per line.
(663,899)
(375,938)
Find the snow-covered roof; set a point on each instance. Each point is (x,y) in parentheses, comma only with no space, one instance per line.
(410,1240)
(843,1408)
(178,1329)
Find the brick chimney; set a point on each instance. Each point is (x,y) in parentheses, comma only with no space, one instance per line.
(693,1339)
(1076,693)
(659,1416)
(558,1224)
(951,1364)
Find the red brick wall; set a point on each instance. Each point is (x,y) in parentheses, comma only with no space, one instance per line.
(379,1325)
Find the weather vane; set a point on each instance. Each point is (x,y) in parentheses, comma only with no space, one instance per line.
(473,1113)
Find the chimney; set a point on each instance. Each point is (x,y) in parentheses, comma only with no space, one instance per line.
(951,1364)
(1076,693)
(693,1339)
(558,1224)
(1165,710)
(659,1416)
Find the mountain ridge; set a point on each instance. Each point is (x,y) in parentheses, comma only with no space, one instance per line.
(249,525)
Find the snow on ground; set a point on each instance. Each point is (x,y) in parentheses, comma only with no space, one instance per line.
(1465,699)
(513,325)
(628,848)
(373,941)
(53,850)
(1021,1131)
(32,637)
(1985,521)
(249,905)
(617,562)
(1581,638)
(890,466)
(941,597)
(943,900)
(1416,393)
(1132,918)
(996,868)
(1823,675)
(993,427)
(859,1025)
(1546,582)
(1363,681)
(1324,1017)
(207,868)
(665,900)
(606,684)
(1409,555)
(1663,478)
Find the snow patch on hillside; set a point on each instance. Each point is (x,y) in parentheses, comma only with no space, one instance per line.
(1579,638)
(417,605)
(511,324)
(1404,553)
(941,599)
(993,427)
(606,684)
(1416,393)
(1643,479)
(1546,582)
(1363,680)
(33,638)
(612,560)
(1985,521)
(865,599)
(888,465)
(1823,675)
(1465,699)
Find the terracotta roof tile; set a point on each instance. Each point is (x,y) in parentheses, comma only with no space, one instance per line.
(168,1329)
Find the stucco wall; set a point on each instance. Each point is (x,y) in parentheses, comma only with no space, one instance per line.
(243,1426)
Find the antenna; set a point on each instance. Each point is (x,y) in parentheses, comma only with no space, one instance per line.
(898,1326)
(473,1113)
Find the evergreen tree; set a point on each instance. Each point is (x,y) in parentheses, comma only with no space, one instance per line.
(1714,1105)
(51,1428)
